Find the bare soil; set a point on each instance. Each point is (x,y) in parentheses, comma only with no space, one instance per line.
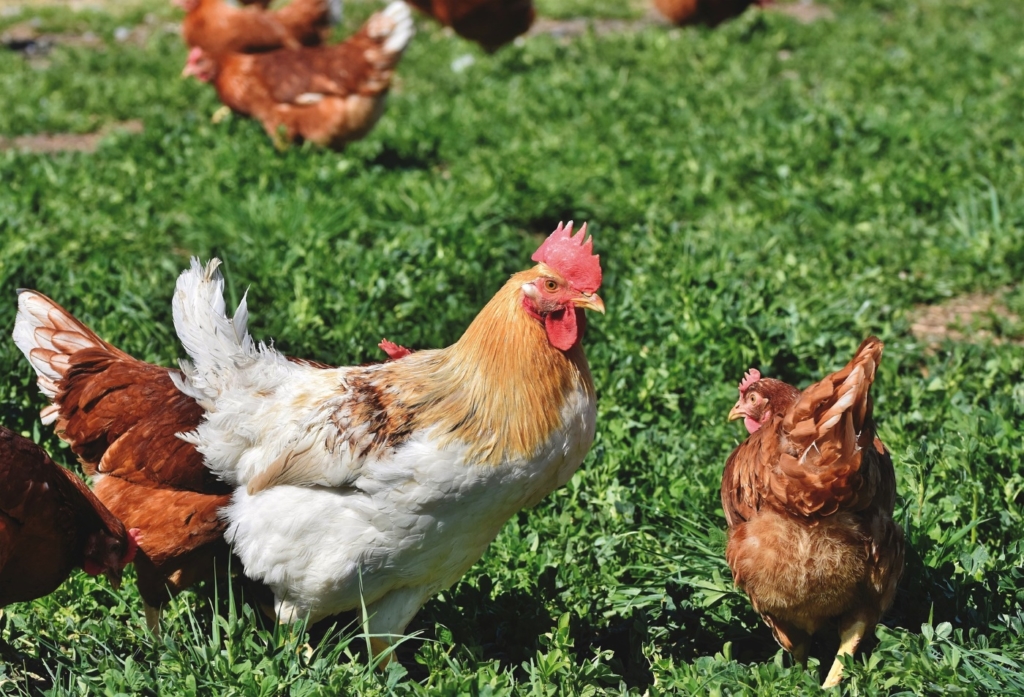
(47,143)
(971,318)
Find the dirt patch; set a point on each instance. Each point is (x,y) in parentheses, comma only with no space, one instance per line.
(568,28)
(972,318)
(47,143)
(804,11)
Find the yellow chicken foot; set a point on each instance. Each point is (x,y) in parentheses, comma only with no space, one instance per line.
(380,647)
(849,640)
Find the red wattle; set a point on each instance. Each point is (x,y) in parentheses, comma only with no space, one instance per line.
(92,568)
(564,327)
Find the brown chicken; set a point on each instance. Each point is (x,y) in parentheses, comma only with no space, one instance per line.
(219,28)
(329,95)
(121,417)
(50,523)
(490,23)
(809,498)
(708,12)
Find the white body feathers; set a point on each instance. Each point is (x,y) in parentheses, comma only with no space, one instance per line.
(325,513)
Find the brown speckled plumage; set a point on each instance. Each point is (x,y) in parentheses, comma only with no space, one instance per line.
(809,499)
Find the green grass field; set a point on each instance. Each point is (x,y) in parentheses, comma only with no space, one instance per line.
(766,194)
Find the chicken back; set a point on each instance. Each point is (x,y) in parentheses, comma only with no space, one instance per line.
(50,523)
(490,23)
(809,500)
(329,95)
(219,28)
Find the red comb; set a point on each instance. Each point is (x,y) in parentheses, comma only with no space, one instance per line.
(393,350)
(749,379)
(133,546)
(572,256)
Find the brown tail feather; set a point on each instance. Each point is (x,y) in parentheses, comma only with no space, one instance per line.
(825,436)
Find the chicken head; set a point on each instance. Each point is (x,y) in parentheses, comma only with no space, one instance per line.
(567,278)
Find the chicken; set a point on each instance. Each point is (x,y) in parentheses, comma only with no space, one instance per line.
(809,498)
(490,23)
(50,523)
(707,12)
(383,484)
(219,28)
(121,417)
(329,95)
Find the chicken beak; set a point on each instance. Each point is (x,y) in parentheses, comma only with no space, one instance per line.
(589,301)
(737,412)
(114,576)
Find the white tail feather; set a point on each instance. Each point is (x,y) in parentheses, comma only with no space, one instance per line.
(48,335)
(219,347)
(397,26)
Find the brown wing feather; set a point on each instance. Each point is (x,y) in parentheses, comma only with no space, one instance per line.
(46,515)
(825,437)
(121,417)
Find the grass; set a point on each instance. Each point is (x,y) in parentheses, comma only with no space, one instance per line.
(763,195)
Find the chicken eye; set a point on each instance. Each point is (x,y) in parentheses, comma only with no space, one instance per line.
(550,286)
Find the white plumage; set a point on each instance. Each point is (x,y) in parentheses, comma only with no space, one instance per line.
(327,508)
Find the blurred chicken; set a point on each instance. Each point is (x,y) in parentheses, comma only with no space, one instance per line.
(329,95)
(219,28)
(809,498)
(50,523)
(707,12)
(490,23)
(383,484)
(121,417)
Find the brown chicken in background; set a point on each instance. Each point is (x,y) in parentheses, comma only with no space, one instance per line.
(809,499)
(329,95)
(121,417)
(707,12)
(490,23)
(50,523)
(219,28)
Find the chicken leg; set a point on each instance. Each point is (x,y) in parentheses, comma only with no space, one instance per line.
(849,638)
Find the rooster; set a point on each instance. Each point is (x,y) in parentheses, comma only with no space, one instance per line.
(490,23)
(383,484)
(708,12)
(380,483)
(329,95)
(50,523)
(809,499)
(219,28)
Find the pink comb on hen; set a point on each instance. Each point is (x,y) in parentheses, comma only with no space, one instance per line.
(749,379)
(572,256)
(133,546)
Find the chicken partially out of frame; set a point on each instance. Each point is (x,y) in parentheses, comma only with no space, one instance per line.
(490,23)
(219,28)
(809,500)
(50,524)
(707,12)
(378,484)
(328,95)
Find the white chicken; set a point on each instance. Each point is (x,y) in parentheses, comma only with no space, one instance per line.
(383,484)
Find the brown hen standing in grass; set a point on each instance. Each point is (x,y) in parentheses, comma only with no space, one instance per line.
(50,523)
(809,498)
